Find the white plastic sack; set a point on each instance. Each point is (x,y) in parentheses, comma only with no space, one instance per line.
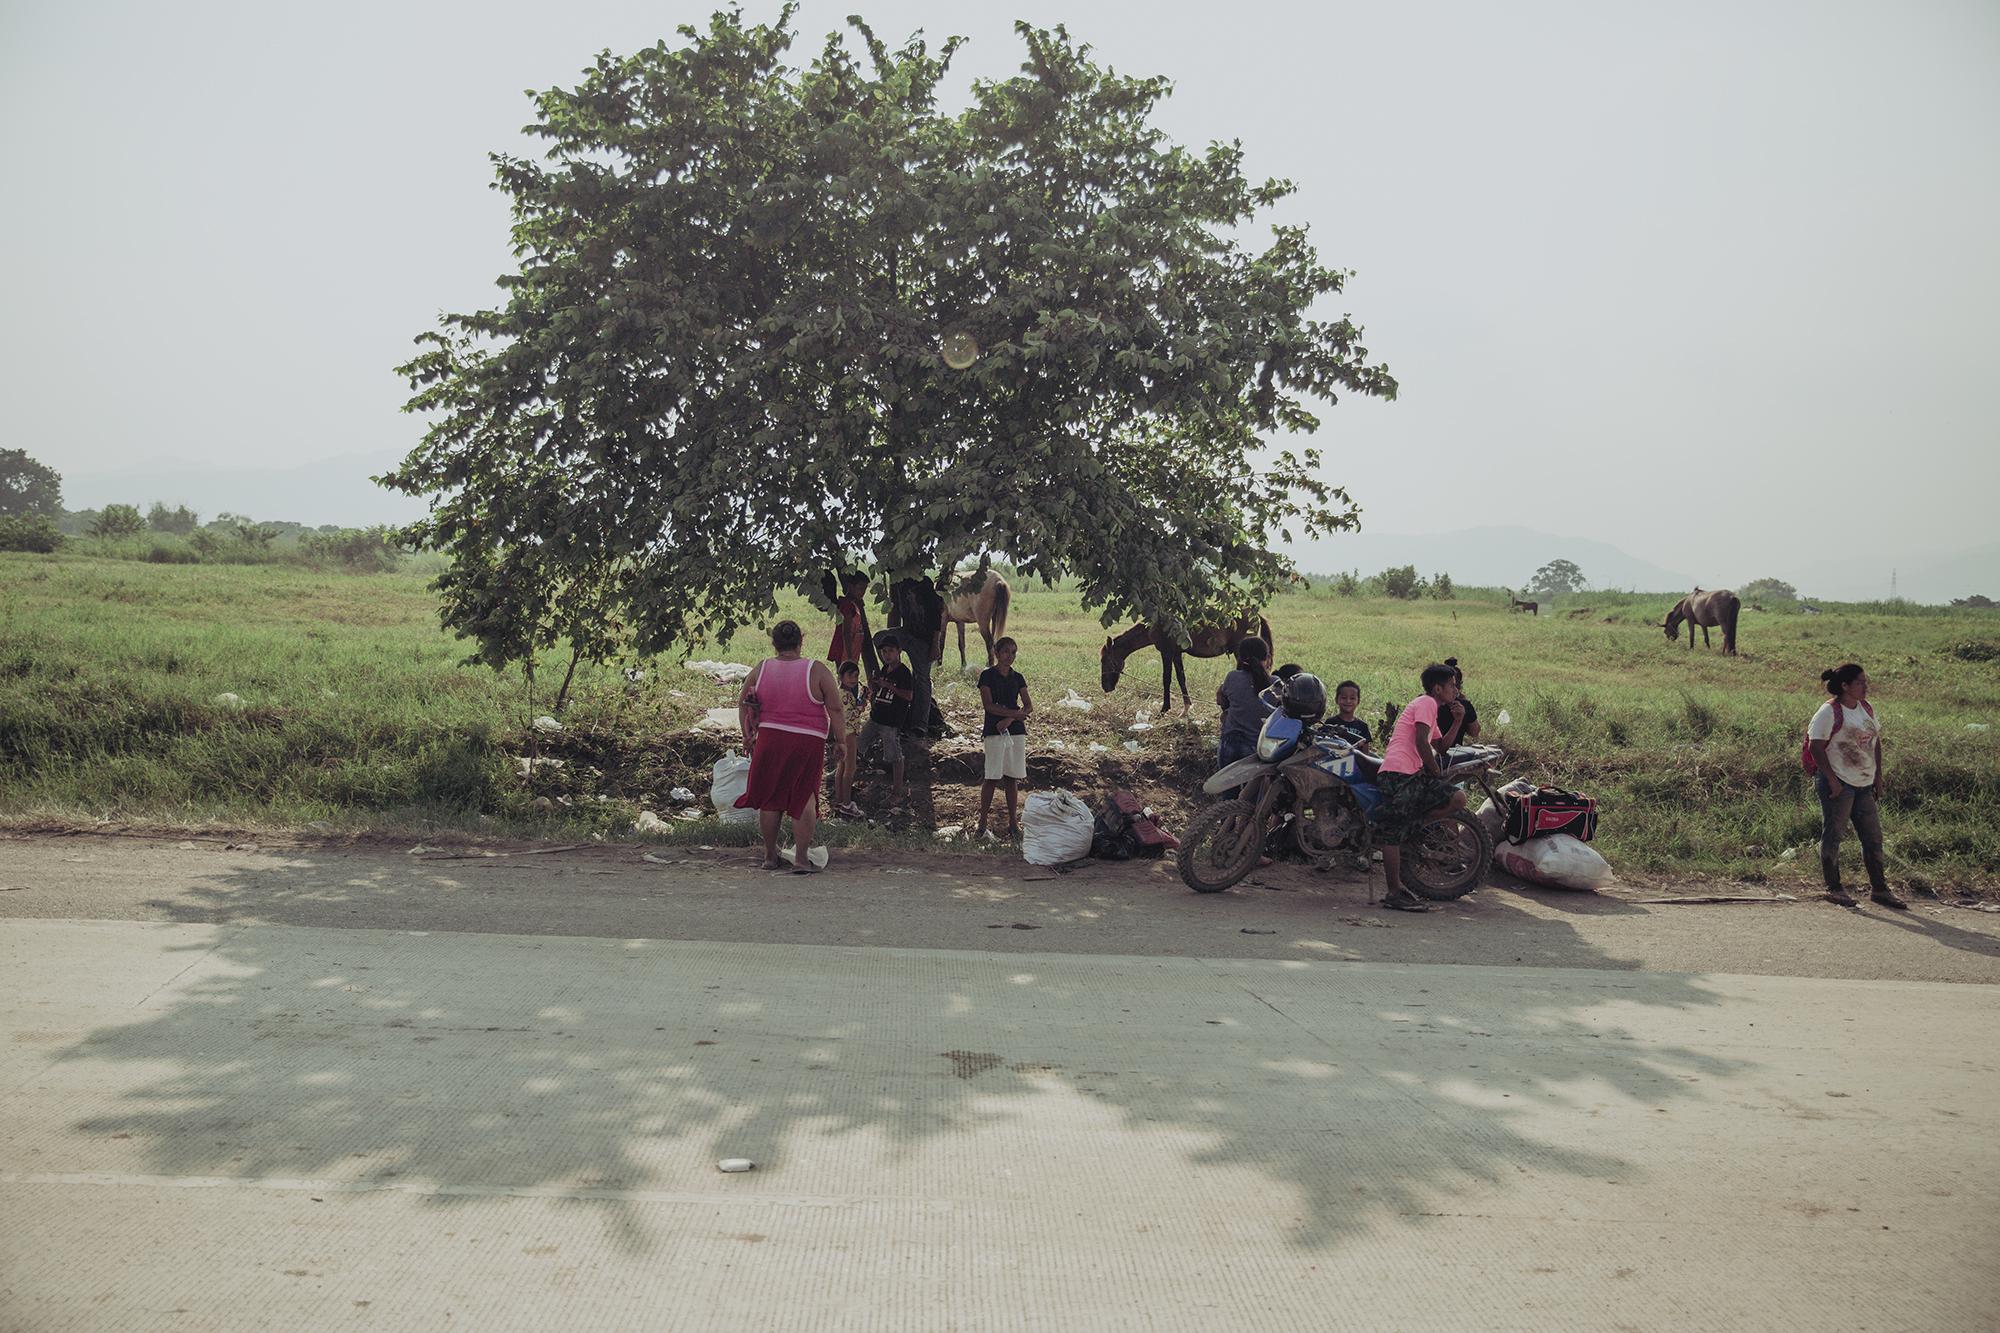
(731,776)
(1055,827)
(722,673)
(1559,861)
(1492,819)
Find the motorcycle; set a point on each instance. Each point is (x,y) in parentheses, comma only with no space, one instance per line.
(1318,790)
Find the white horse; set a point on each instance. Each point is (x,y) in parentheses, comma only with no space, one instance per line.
(980,599)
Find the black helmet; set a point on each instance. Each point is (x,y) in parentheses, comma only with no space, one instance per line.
(1305,697)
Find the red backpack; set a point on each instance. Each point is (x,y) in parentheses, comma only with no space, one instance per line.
(1839,717)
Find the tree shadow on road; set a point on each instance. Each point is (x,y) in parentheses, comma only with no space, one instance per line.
(612,1067)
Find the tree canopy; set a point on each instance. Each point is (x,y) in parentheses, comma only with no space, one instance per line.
(28,487)
(1558,577)
(771,319)
(1772,589)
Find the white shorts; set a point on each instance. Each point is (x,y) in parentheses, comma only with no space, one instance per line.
(1006,757)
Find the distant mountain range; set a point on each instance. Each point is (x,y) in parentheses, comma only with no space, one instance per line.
(337,490)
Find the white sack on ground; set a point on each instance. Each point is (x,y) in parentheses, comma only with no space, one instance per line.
(731,778)
(1559,861)
(1055,827)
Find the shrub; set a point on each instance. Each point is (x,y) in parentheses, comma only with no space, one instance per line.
(30,532)
(1974,650)
(360,550)
(117,521)
(1441,587)
(1978,602)
(1346,584)
(179,520)
(1402,583)
(1768,590)
(172,553)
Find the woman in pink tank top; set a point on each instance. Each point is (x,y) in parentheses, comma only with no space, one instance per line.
(790,704)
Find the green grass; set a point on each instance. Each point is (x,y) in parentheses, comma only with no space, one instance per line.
(355,712)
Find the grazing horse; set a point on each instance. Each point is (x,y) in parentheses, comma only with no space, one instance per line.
(980,599)
(1516,604)
(1212,641)
(1705,609)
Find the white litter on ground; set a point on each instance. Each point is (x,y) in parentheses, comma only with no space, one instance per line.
(648,822)
(723,673)
(681,794)
(816,855)
(1133,746)
(546,724)
(228,700)
(1501,719)
(1071,699)
(1095,748)
(718,719)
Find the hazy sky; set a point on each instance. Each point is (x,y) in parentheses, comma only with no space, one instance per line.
(1668,276)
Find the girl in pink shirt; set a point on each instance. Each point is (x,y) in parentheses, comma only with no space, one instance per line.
(1412,784)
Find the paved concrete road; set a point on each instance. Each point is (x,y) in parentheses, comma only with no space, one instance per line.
(240,1125)
(965,902)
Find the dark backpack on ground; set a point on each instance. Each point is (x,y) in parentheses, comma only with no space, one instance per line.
(1549,810)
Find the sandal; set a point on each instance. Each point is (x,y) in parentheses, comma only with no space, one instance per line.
(1402,900)
(807,869)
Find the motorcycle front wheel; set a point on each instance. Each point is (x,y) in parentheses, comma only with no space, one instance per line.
(1220,846)
(1447,858)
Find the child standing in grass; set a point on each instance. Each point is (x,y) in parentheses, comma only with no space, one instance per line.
(846,746)
(891,690)
(1004,693)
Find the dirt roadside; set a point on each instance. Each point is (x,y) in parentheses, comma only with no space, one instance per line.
(962,902)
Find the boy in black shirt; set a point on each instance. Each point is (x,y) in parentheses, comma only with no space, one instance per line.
(1344,724)
(891,689)
(1004,692)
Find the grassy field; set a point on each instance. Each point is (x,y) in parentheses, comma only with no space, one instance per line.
(354,713)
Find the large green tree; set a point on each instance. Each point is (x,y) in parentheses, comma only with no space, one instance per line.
(28,487)
(770,319)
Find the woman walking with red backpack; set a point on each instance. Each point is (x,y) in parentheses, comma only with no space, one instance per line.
(1844,754)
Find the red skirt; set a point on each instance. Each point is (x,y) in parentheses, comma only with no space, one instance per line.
(786,769)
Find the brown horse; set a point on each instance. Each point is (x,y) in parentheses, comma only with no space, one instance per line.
(1719,607)
(980,599)
(1212,641)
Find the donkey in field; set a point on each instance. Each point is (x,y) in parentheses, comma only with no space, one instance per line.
(1516,604)
(1705,609)
(980,599)
(1210,641)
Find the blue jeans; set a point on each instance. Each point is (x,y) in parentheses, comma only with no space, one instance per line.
(1841,803)
(1231,748)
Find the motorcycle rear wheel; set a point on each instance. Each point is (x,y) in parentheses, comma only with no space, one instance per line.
(1447,858)
(1220,846)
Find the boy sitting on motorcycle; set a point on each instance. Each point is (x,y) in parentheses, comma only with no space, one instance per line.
(1412,782)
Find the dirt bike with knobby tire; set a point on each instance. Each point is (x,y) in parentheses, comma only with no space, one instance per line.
(1317,794)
